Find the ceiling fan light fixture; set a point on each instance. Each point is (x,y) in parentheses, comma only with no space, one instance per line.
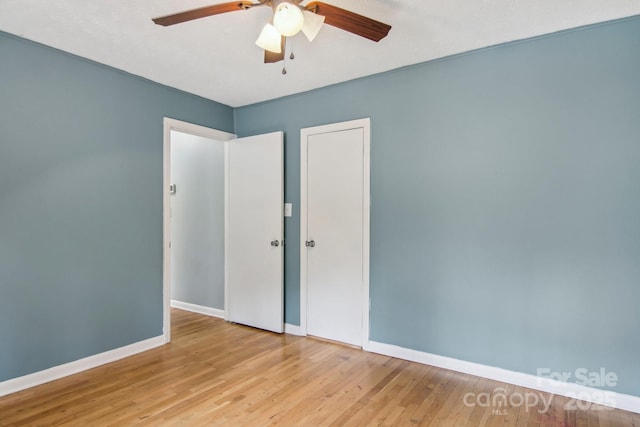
(270,39)
(312,24)
(288,19)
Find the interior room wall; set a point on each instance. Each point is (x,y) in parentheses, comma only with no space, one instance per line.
(197,220)
(504,200)
(81,204)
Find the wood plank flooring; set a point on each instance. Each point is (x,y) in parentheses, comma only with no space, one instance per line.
(220,374)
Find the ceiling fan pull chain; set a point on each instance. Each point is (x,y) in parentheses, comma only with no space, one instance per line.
(284,54)
(284,59)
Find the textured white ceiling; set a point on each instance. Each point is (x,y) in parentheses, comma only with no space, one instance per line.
(216,57)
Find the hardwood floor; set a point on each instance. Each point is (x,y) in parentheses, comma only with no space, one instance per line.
(215,373)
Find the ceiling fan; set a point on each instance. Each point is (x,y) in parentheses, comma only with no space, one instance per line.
(289,18)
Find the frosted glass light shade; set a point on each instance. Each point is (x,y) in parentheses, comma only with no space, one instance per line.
(270,39)
(288,19)
(312,24)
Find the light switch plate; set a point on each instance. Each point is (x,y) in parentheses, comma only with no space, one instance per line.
(288,207)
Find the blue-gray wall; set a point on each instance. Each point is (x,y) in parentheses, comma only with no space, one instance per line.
(80,204)
(505,200)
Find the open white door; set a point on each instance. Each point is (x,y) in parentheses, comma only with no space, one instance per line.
(254,231)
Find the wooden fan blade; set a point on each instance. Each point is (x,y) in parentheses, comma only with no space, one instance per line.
(270,57)
(202,12)
(350,21)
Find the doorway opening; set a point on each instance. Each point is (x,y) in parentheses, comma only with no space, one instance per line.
(182,141)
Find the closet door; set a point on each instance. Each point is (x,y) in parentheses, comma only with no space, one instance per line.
(335,231)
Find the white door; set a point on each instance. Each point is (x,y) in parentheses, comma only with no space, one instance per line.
(254,241)
(335,231)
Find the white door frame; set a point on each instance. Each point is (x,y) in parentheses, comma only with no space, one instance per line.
(365,124)
(183,127)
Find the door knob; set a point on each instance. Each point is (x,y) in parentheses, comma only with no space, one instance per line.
(310,243)
(275,243)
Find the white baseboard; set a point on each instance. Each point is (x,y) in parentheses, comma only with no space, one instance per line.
(214,312)
(293,330)
(201,309)
(615,400)
(60,371)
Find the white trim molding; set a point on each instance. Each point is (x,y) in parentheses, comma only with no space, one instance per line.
(60,371)
(294,330)
(576,391)
(200,309)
